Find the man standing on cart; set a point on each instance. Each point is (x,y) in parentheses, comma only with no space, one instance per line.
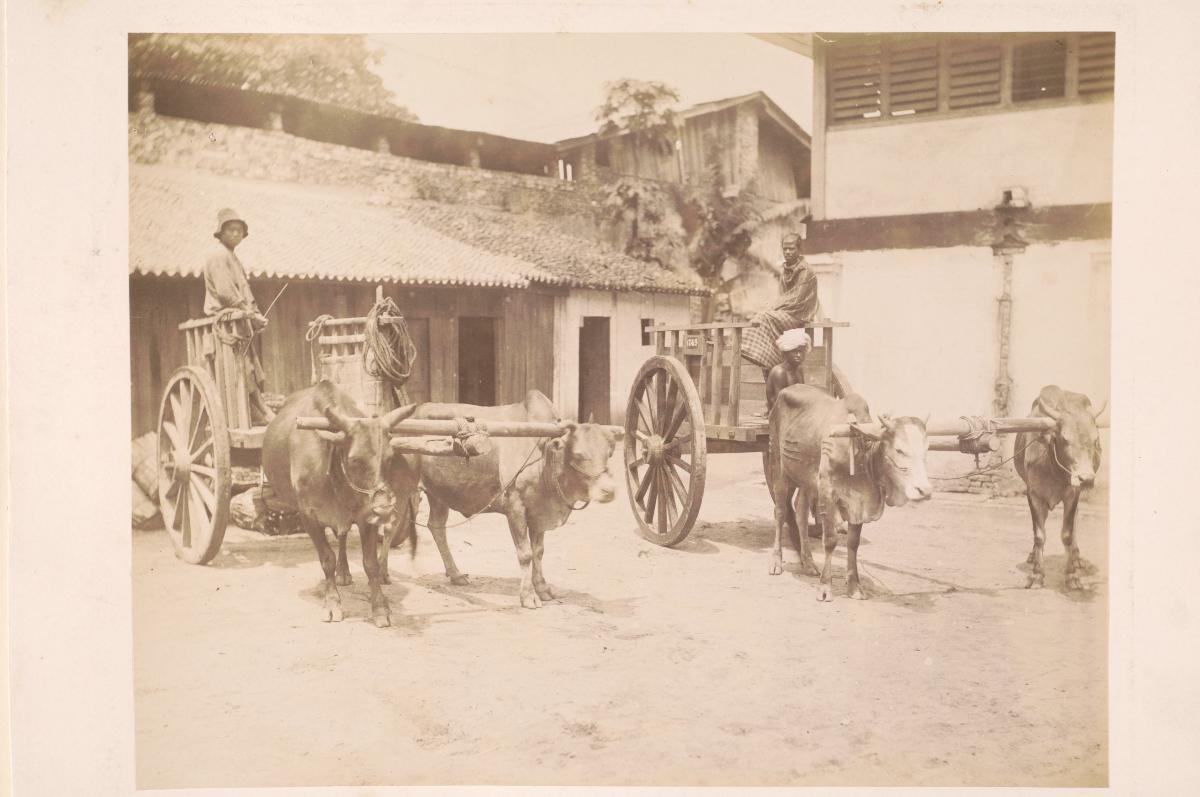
(227,294)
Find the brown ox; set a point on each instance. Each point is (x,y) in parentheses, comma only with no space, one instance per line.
(816,468)
(1056,466)
(338,478)
(534,482)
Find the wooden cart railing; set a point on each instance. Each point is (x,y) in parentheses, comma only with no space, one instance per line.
(732,389)
(214,345)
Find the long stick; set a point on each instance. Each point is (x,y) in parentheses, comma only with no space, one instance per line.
(270,306)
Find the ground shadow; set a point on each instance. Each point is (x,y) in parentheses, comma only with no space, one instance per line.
(356,604)
(755,534)
(1055,568)
(875,585)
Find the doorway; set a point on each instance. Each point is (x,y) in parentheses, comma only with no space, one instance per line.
(477,361)
(595,390)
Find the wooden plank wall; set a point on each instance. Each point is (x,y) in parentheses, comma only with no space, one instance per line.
(524,350)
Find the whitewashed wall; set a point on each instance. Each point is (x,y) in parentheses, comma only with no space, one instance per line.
(1061,156)
(626,352)
(925,327)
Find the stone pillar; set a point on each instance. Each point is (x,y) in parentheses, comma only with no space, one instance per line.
(1008,242)
(381,144)
(745,146)
(274,117)
(145,99)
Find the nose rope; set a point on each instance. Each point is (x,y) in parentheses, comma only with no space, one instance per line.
(341,460)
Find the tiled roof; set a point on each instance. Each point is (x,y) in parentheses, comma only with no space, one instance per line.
(576,262)
(317,232)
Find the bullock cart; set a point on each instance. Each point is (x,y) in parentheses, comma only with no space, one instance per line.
(698,396)
(205,426)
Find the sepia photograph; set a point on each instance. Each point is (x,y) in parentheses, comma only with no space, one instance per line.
(488,426)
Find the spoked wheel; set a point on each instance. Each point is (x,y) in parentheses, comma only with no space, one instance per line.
(194,477)
(664,451)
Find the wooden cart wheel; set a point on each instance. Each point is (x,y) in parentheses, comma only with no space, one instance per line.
(194,476)
(664,451)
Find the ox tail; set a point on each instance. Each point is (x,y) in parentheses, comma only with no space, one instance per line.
(407,525)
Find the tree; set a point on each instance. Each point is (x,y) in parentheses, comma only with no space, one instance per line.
(334,69)
(645,109)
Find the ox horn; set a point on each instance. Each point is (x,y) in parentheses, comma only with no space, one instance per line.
(887,422)
(395,416)
(1044,407)
(1096,415)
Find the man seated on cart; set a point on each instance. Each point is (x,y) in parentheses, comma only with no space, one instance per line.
(797,305)
(793,346)
(227,293)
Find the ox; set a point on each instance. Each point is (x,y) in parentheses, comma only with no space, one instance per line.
(337,478)
(817,469)
(535,483)
(1056,466)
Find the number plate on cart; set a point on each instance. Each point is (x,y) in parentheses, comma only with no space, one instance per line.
(693,344)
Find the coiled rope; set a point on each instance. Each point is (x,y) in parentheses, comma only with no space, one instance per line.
(388,352)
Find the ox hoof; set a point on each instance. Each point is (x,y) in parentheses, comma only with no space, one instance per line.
(384,577)
(825,594)
(1086,567)
(776,565)
(1035,582)
(856,593)
(546,594)
(382,620)
(531,600)
(1073,583)
(343,580)
(331,614)
(460,580)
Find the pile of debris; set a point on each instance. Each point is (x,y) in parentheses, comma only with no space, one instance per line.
(145,482)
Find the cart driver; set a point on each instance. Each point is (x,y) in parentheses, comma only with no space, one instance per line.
(793,346)
(226,288)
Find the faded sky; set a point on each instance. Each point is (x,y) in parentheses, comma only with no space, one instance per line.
(545,86)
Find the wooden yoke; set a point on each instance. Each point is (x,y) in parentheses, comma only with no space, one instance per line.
(458,437)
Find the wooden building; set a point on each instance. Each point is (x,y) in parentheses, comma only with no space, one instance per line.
(757,146)
(488,325)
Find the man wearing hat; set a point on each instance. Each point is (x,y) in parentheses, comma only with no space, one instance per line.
(226,288)
(797,305)
(793,345)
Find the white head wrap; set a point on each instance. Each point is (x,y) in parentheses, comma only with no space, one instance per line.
(793,339)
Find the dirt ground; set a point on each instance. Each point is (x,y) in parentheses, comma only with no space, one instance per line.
(689,666)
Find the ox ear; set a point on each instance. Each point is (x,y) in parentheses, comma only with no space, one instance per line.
(925,420)
(1096,415)
(332,437)
(395,416)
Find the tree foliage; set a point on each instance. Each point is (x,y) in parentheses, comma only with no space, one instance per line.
(645,108)
(334,69)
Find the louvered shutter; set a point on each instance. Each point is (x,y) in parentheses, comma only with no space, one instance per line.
(975,74)
(855,79)
(912,76)
(1039,70)
(1097,59)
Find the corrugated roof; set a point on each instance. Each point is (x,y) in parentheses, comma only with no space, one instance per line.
(319,232)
